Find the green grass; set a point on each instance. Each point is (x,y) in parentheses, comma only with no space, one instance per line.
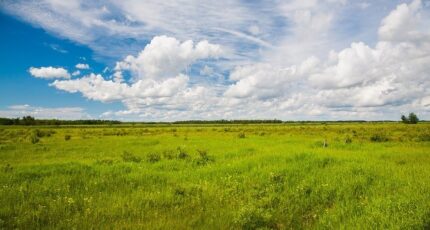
(368,176)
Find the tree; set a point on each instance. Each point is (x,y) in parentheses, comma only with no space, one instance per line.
(28,120)
(405,119)
(413,119)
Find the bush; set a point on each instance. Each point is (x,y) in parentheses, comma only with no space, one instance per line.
(43,133)
(348,140)
(34,139)
(67,137)
(129,157)
(204,158)
(182,154)
(105,162)
(424,137)
(378,137)
(153,157)
(168,154)
(250,217)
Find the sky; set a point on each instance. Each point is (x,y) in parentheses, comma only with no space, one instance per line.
(169,60)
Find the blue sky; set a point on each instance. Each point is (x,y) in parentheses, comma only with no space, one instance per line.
(179,60)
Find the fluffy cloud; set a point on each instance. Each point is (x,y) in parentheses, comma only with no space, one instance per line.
(165,57)
(157,76)
(402,23)
(93,87)
(82,66)
(394,73)
(297,78)
(49,72)
(264,81)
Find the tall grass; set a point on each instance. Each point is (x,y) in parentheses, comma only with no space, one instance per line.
(369,176)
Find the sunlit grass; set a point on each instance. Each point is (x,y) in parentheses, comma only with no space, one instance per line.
(216,176)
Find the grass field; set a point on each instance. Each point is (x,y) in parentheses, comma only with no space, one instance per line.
(284,176)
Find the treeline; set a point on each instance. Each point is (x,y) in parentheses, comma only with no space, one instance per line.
(29,120)
(228,122)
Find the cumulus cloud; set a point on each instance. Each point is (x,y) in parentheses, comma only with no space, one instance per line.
(264,80)
(165,57)
(393,73)
(401,23)
(156,70)
(93,87)
(82,66)
(297,77)
(49,72)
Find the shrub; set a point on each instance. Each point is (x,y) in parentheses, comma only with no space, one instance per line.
(348,140)
(105,162)
(424,137)
(378,137)
(168,154)
(241,135)
(33,138)
(153,157)
(204,158)
(129,157)
(43,133)
(67,137)
(182,154)
(250,217)
(7,168)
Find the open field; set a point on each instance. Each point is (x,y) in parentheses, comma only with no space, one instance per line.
(284,176)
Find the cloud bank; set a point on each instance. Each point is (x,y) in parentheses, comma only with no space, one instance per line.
(291,63)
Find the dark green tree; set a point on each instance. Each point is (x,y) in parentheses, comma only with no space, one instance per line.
(405,119)
(28,120)
(413,119)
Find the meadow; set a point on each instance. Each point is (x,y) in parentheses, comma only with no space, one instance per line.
(259,176)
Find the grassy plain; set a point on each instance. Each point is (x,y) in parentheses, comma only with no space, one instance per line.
(284,176)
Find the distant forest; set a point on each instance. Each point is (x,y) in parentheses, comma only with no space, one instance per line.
(29,120)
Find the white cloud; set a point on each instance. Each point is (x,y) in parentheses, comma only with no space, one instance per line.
(304,71)
(206,71)
(401,23)
(157,70)
(165,57)
(268,81)
(393,74)
(93,87)
(82,66)
(116,28)
(76,73)
(49,72)
(69,113)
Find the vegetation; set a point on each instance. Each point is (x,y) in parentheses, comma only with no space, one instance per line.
(206,176)
(28,120)
(411,119)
